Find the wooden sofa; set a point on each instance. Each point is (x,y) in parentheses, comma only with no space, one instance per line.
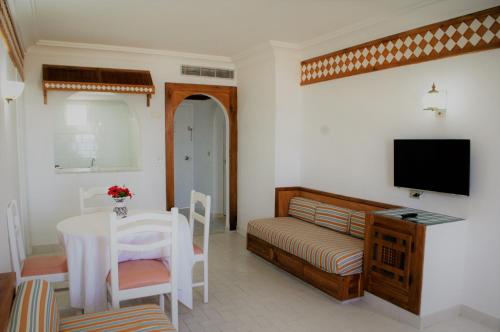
(34,308)
(342,287)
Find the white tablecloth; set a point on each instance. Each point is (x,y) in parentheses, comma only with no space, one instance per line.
(86,240)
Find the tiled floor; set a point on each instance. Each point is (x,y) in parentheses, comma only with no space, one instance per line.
(248,294)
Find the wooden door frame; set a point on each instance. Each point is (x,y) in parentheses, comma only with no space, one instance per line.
(175,94)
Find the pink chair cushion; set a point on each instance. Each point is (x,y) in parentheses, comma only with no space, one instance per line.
(141,273)
(43,265)
(197,250)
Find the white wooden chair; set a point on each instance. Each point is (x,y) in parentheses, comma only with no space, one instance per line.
(49,268)
(201,254)
(89,194)
(144,277)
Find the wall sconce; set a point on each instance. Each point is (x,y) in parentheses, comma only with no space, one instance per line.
(435,101)
(11,90)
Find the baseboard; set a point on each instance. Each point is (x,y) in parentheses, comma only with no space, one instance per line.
(390,310)
(44,249)
(480,317)
(241,231)
(440,316)
(381,306)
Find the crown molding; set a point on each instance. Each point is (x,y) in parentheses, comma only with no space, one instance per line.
(263,50)
(365,24)
(134,50)
(252,52)
(284,45)
(444,9)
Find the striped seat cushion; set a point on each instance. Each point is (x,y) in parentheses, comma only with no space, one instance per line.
(323,248)
(138,318)
(332,216)
(357,224)
(35,308)
(302,208)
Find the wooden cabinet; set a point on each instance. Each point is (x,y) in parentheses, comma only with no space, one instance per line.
(417,263)
(394,252)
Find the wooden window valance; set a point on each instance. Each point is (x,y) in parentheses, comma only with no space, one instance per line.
(470,33)
(11,38)
(69,78)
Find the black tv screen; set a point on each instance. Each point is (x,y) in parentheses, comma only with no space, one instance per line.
(441,165)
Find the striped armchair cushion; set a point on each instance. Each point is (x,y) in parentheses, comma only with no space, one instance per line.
(35,308)
(357,224)
(332,216)
(138,318)
(302,208)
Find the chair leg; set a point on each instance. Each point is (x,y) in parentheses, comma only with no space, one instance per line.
(205,281)
(115,303)
(162,302)
(174,310)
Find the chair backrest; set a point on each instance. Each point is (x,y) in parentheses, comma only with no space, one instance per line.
(163,224)
(205,201)
(16,242)
(89,194)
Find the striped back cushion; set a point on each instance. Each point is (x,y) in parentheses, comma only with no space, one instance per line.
(35,308)
(302,208)
(332,216)
(357,228)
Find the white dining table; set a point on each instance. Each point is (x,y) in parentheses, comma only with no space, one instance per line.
(86,241)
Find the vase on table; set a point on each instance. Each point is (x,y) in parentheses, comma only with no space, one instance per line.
(120,207)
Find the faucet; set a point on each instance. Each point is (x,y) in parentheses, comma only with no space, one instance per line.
(92,163)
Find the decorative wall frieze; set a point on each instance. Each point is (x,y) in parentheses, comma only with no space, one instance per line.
(74,86)
(470,33)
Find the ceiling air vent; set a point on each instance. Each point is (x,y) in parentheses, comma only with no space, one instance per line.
(207,72)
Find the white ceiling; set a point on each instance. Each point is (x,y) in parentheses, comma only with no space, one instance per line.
(216,27)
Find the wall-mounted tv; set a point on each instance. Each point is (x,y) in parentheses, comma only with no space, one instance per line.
(441,165)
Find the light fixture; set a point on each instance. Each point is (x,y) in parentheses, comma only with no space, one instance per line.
(11,90)
(435,101)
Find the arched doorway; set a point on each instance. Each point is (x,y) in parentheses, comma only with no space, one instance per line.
(226,97)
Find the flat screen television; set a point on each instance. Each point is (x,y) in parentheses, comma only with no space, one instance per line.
(441,165)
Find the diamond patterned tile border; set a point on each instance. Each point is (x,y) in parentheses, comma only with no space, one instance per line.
(79,86)
(469,33)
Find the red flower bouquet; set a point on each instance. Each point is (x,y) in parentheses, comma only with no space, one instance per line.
(119,192)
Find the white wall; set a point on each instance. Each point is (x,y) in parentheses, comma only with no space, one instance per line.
(53,197)
(269,125)
(349,125)
(9,166)
(288,117)
(256,136)
(348,130)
